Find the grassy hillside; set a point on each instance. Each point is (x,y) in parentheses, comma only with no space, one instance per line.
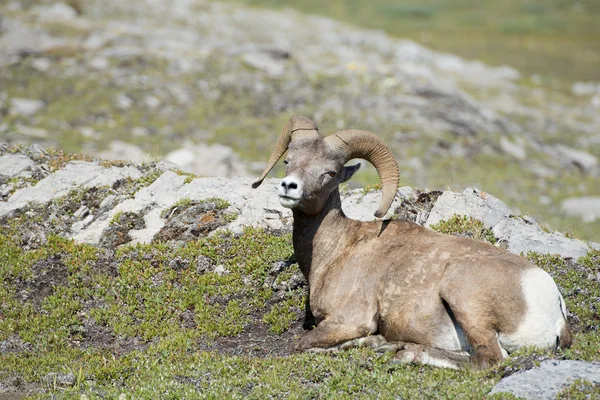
(558,38)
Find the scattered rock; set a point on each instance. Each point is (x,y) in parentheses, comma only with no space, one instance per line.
(81,212)
(41,64)
(515,150)
(220,270)
(518,234)
(588,208)
(582,160)
(123,101)
(26,107)
(60,379)
(16,165)
(56,12)
(74,175)
(270,62)
(119,150)
(547,380)
(207,160)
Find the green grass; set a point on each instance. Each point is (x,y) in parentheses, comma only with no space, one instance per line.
(461,225)
(557,39)
(135,321)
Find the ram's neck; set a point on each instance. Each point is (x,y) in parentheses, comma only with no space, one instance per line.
(318,238)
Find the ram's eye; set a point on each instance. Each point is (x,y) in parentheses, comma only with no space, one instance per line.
(286,162)
(332,173)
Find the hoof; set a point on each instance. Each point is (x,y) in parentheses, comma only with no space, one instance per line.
(387,348)
(319,350)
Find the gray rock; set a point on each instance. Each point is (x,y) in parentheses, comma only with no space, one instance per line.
(519,234)
(123,101)
(208,160)
(26,107)
(522,237)
(36,151)
(31,132)
(41,64)
(472,202)
(74,175)
(220,270)
(79,225)
(588,208)
(266,62)
(582,160)
(516,150)
(55,12)
(546,381)
(119,150)
(108,201)
(16,165)
(59,378)
(81,212)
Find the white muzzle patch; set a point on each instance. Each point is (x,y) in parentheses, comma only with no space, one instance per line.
(290,191)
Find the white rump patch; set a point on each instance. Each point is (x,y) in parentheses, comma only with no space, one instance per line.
(544,318)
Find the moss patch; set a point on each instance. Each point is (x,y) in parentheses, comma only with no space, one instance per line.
(461,225)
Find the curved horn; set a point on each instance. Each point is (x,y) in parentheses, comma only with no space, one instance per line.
(367,145)
(296,123)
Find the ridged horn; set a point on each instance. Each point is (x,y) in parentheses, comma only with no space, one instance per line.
(368,146)
(295,124)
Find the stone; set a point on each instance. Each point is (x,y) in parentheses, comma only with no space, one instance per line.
(584,161)
(36,151)
(81,212)
(16,165)
(41,64)
(522,237)
(56,12)
(119,150)
(220,270)
(515,150)
(61,379)
(207,160)
(472,202)
(587,208)
(31,132)
(99,63)
(123,101)
(25,107)
(547,380)
(74,175)
(265,62)
(108,201)
(79,225)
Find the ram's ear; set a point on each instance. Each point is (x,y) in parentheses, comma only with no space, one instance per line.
(349,171)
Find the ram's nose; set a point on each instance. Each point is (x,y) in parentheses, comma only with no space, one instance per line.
(290,191)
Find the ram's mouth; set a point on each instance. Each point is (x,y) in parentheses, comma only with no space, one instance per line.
(288,202)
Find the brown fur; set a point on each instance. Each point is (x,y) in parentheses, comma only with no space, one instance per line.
(396,278)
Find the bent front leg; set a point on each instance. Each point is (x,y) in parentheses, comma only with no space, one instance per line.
(328,334)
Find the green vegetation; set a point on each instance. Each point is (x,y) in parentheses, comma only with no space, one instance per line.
(581,389)
(579,285)
(557,39)
(461,225)
(154,321)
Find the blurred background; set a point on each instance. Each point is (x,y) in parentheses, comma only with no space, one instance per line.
(502,96)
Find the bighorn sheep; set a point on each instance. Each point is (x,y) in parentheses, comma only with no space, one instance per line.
(436,299)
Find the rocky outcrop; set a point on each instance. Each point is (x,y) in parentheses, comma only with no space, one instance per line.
(156,206)
(548,380)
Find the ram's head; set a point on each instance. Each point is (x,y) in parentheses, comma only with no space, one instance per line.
(315,165)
